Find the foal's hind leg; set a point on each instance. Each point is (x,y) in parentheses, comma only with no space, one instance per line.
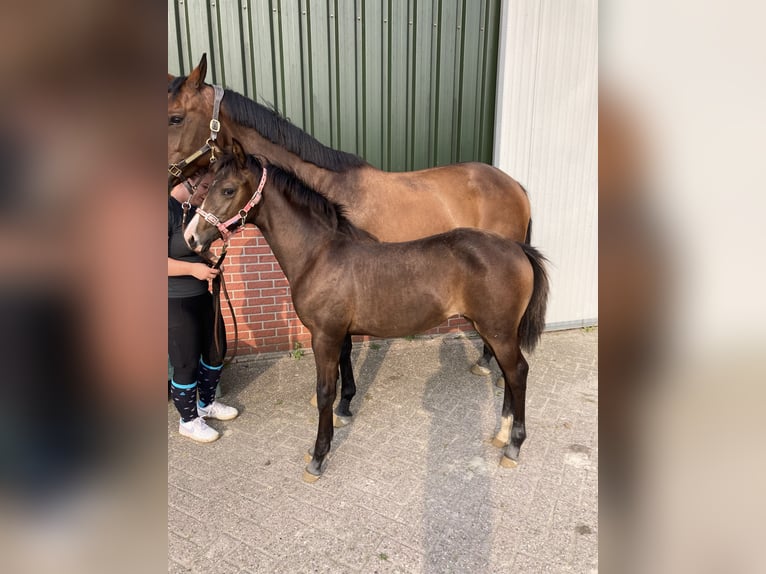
(512,428)
(481,367)
(347,384)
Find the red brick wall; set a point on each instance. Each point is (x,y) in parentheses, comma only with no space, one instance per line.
(260,296)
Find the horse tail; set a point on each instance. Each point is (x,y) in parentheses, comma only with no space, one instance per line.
(528,236)
(533,321)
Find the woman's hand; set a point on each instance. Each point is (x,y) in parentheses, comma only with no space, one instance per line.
(203,272)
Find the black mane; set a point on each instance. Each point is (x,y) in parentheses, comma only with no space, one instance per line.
(278,130)
(302,196)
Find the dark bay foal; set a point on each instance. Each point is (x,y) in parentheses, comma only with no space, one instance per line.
(343,282)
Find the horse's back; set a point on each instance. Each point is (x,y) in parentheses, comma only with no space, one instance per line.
(463,258)
(401,206)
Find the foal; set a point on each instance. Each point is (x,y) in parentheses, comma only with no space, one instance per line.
(343,281)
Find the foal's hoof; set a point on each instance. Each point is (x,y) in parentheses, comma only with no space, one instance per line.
(496,442)
(506,462)
(477,369)
(339,421)
(500,383)
(310,478)
(314,400)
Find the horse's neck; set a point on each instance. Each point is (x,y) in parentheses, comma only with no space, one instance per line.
(294,235)
(312,175)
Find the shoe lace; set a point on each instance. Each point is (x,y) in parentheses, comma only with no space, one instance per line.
(200,423)
(210,409)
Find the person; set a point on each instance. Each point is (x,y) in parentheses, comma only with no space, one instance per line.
(196,358)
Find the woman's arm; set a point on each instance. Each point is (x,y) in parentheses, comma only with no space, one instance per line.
(198,270)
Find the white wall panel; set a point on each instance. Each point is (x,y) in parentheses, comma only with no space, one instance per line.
(546,136)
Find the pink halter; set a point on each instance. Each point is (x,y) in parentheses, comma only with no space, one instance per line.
(241,215)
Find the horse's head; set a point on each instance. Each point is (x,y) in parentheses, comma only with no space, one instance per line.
(190,111)
(232,199)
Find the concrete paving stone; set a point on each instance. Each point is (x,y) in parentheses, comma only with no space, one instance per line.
(321,495)
(500,562)
(249,558)
(401,455)
(254,535)
(516,493)
(320,564)
(182,551)
(255,485)
(353,550)
(244,510)
(204,566)
(585,558)
(188,527)
(218,549)
(547,494)
(206,512)
(561,547)
(190,483)
(412,485)
(565,515)
(442,556)
(389,475)
(529,565)
(393,557)
(588,517)
(176,568)
(409,534)
(385,506)
(533,540)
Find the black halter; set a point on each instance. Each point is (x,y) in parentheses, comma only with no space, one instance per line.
(176,170)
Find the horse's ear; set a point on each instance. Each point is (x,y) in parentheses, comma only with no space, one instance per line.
(197,77)
(239,153)
(171,77)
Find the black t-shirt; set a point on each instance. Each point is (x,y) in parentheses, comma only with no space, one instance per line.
(181,285)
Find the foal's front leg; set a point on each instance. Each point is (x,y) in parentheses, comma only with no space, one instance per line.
(326,355)
(343,413)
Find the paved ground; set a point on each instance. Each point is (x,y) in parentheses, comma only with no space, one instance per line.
(412,485)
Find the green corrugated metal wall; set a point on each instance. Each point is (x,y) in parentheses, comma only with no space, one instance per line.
(406,84)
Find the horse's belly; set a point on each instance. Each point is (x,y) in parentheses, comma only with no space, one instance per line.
(401,320)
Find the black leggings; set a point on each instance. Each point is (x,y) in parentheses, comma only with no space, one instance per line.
(190,336)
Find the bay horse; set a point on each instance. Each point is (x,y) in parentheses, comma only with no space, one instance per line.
(393,206)
(343,282)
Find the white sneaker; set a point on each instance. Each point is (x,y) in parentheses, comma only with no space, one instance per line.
(198,430)
(218,411)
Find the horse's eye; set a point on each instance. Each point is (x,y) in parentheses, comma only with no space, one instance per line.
(228,191)
(175,120)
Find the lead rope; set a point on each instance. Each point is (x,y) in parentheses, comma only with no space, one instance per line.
(218,284)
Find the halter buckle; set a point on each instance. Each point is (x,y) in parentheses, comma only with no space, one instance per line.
(211,144)
(215,125)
